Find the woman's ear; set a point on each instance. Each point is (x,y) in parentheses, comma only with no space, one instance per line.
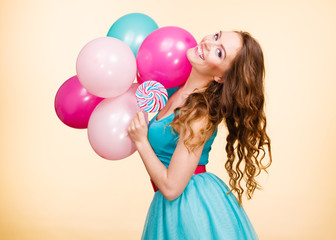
(218,79)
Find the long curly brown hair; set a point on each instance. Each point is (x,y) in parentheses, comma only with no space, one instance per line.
(238,101)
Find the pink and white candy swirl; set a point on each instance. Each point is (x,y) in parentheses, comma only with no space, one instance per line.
(151,96)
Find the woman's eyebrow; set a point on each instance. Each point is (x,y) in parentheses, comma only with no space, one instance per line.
(220,34)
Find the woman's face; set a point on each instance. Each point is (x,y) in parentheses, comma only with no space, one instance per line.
(214,54)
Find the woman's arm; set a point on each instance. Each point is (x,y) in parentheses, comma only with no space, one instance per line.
(171,181)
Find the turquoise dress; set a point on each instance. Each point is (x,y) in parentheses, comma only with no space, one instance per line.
(203,211)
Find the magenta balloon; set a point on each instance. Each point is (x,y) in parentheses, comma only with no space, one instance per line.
(163,56)
(106,67)
(108,126)
(74,104)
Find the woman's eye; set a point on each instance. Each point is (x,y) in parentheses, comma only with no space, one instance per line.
(219,52)
(216,36)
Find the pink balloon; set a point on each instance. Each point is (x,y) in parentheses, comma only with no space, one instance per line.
(106,67)
(74,104)
(163,56)
(108,124)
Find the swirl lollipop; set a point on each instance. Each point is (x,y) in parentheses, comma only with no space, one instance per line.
(151,96)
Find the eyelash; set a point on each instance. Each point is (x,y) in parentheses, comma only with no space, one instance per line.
(218,50)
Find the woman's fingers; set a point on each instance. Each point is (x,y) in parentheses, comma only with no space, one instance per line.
(142,118)
(137,122)
(138,127)
(134,122)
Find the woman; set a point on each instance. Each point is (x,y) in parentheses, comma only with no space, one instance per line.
(225,84)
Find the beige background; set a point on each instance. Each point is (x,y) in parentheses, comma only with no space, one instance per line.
(54,187)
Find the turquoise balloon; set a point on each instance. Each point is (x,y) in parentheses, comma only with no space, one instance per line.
(132,29)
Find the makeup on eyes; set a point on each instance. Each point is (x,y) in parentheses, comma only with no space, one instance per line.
(218,37)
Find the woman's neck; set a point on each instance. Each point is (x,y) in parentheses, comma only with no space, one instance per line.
(195,80)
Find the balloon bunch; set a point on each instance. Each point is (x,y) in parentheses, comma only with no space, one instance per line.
(103,97)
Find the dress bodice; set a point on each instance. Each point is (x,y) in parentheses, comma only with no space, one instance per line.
(164,141)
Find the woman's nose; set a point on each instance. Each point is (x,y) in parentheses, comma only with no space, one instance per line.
(207,44)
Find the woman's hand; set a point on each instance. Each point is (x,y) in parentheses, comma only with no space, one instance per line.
(138,128)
